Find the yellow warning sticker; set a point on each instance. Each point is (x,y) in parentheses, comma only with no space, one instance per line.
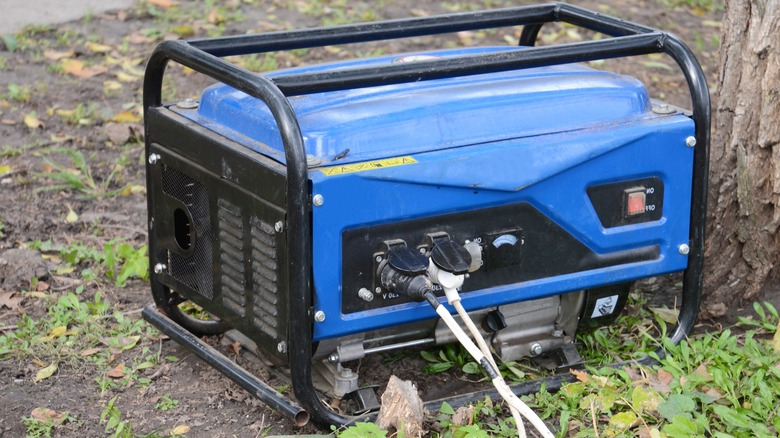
(368,165)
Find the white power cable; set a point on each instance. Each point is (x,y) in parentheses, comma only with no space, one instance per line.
(498,382)
(485,351)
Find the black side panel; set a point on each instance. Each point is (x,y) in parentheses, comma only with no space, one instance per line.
(219,239)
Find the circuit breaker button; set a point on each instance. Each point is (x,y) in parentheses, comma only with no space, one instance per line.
(635,200)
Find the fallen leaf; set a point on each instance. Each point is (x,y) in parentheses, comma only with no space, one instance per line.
(45,373)
(97,48)
(133,189)
(236,347)
(56,56)
(112,85)
(89,352)
(4,169)
(71,217)
(127,117)
(36,295)
(180,430)
(582,376)
(38,362)
(666,314)
(46,414)
(124,77)
(41,286)
(9,300)
(8,122)
(32,121)
(117,372)
(58,331)
(121,343)
(77,68)
(163,3)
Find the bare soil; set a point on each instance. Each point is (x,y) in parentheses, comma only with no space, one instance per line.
(111,133)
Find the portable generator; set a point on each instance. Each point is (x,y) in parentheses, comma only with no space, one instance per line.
(310,209)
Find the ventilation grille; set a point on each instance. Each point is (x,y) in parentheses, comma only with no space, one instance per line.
(193,271)
(264,277)
(231,240)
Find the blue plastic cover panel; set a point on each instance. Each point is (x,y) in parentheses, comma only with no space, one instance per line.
(394,120)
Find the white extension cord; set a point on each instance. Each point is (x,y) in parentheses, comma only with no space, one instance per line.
(503,389)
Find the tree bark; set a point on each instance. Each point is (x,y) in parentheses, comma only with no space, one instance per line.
(743,246)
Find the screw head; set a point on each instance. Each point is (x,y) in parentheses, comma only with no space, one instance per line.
(159,268)
(318,200)
(365,295)
(154,158)
(536,349)
(281,347)
(378,259)
(279,227)
(378,290)
(187,104)
(311,160)
(684,249)
(690,141)
(333,358)
(319,316)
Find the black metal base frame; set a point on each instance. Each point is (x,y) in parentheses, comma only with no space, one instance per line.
(204,56)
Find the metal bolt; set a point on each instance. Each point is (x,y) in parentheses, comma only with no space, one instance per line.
(160,268)
(333,358)
(378,290)
(378,259)
(422,250)
(319,316)
(154,158)
(690,141)
(365,294)
(311,160)
(318,200)
(536,349)
(684,249)
(281,347)
(187,104)
(279,227)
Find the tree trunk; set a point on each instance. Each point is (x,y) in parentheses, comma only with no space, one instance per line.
(743,246)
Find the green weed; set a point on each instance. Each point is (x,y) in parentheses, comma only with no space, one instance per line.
(79,176)
(166,403)
(18,93)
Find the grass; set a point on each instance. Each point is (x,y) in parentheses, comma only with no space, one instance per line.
(722,384)
(77,176)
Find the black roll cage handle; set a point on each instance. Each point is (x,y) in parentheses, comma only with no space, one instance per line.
(628,39)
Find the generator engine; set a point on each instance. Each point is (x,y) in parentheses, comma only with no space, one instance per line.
(309,209)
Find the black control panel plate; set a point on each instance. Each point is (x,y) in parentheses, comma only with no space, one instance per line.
(518,244)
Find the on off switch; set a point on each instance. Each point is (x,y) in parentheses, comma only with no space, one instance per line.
(634,201)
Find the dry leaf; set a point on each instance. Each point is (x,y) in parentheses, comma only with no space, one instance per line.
(32,121)
(236,347)
(76,68)
(45,373)
(41,286)
(117,372)
(127,117)
(112,85)
(582,376)
(97,48)
(8,122)
(89,352)
(4,169)
(9,300)
(71,217)
(58,331)
(180,430)
(56,56)
(46,414)
(163,3)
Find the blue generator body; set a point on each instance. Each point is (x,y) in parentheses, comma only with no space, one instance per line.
(297,206)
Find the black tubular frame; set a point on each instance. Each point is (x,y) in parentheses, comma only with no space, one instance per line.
(629,39)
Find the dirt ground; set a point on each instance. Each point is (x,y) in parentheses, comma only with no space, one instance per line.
(77,87)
